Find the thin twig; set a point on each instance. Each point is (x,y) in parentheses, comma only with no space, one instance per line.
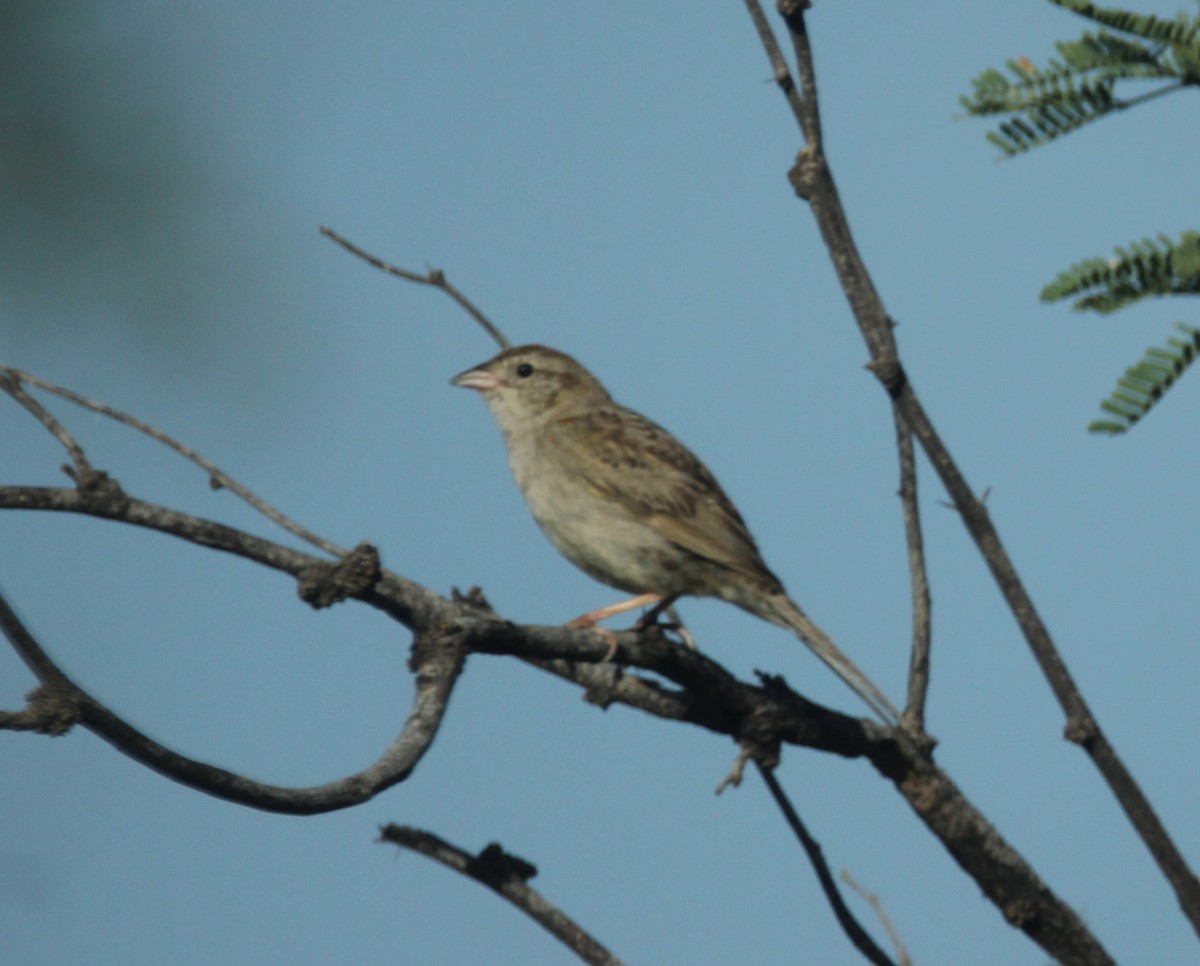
(877,906)
(507,876)
(779,67)
(1125,103)
(10,382)
(435,277)
(918,671)
(218,477)
(850,926)
(736,772)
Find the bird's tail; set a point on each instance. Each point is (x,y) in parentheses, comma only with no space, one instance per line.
(785,613)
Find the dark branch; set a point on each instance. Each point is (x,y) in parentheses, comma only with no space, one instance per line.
(850,926)
(507,876)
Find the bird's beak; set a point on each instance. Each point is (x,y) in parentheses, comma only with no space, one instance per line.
(479,379)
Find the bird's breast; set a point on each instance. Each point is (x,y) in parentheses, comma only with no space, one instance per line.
(590,528)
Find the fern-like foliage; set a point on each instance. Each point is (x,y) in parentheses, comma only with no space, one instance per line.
(1144,384)
(1079,86)
(1181,30)
(1143,269)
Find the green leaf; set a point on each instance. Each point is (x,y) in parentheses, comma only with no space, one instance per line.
(1147,268)
(1079,86)
(1143,385)
(1180,31)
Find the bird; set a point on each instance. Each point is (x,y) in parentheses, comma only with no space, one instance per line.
(631,506)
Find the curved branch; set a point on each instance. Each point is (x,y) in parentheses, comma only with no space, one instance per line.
(506,875)
(437,660)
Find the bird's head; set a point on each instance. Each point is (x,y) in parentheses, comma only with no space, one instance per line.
(528,383)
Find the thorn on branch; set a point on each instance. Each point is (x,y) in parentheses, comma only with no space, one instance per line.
(473,598)
(980,501)
(789,8)
(325,584)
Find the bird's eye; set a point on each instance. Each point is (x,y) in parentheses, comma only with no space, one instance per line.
(524,370)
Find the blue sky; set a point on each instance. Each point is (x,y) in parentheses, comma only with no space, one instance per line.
(608,179)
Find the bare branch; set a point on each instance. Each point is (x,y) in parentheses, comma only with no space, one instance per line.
(51,710)
(437,661)
(877,906)
(218,478)
(435,277)
(814,182)
(850,926)
(506,875)
(779,67)
(1082,726)
(918,672)
(10,382)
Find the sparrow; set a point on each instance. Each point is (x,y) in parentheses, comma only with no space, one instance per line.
(630,505)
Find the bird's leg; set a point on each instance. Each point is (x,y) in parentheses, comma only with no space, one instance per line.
(593,617)
(651,616)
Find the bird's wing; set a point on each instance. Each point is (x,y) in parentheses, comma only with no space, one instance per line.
(627,458)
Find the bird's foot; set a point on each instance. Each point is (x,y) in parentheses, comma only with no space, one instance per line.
(588,622)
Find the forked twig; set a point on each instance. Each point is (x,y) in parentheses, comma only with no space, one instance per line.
(10,382)
(219,479)
(435,277)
